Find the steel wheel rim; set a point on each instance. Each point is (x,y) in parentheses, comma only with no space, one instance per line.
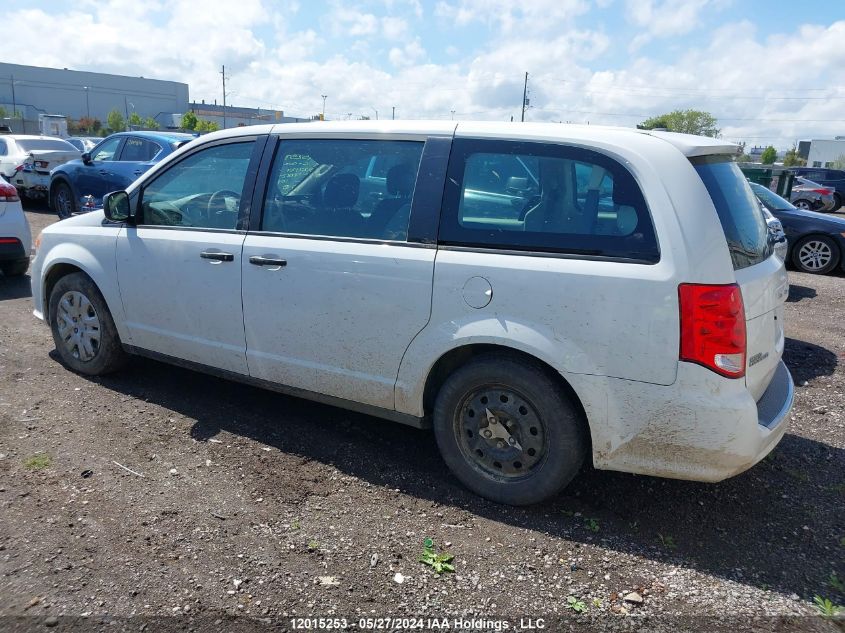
(515,418)
(78,326)
(802,204)
(815,255)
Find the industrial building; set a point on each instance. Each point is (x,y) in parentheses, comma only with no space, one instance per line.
(33,90)
(235,116)
(825,152)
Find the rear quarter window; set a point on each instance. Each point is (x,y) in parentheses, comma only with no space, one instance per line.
(738,209)
(542,197)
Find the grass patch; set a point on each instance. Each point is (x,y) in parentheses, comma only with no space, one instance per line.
(37,462)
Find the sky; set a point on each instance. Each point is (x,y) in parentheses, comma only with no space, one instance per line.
(771,71)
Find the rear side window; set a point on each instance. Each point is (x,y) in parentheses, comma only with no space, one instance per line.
(542,197)
(139,150)
(738,209)
(29,145)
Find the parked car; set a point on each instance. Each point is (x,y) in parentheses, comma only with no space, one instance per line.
(15,238)
(816,240)
(811,196)
(834,178)
(84,143)
(631,321)
(110,166)
(26,161)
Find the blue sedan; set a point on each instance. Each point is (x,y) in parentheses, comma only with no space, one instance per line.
(112,165)
(816,240)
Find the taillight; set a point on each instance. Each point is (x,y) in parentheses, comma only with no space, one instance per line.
(42,164)
(824,192)
(713,328)
(8,193)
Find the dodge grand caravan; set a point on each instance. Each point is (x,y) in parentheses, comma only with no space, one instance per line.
(538,294)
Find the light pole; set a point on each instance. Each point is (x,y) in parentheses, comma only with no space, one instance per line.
(453,114)
(393,116)
(87,108)
(323,113)
(374,110)
(15,105)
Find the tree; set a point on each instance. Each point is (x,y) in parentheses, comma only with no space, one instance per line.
(685,121)
(793,159)
(135,120)
(151,124)
(115,121)
(189,121)
(769,156)
(3,113)
(206,126)
(839,163)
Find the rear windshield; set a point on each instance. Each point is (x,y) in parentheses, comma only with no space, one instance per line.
(738,209)
(770,199)
(29,145)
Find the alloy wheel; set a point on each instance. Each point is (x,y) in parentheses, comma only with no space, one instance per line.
(815,255)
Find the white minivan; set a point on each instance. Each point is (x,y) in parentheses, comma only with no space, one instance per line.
(539,294)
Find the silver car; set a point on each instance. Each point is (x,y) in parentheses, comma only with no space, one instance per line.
(811,196)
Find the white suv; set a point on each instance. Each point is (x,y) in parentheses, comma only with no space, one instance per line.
(539,294)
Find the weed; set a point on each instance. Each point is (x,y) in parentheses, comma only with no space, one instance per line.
(592,524)
(295,525)
(575,604)
(597,603)
(826,608)
(312,545)
(568,513)
(835,582)
(37,462)
(634,525)
(668,541)
(440,563)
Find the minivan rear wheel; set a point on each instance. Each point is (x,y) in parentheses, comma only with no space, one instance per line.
(506,430)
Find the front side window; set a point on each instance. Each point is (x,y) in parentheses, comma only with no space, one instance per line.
(3,150)
(539,197)
(203,190)
(139,150)
(106,150)
(342,188)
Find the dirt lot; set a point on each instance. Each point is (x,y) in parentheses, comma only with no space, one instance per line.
(244,502)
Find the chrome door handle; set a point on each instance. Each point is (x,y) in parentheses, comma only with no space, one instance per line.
(220,257)
(267,261)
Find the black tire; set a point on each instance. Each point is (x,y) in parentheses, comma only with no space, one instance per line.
(806,205)
(477,461)
(62,200)
(838,201)
(108,355)
(816,254)
(15,269)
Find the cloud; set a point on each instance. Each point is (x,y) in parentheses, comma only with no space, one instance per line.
(666,18)
(379,55)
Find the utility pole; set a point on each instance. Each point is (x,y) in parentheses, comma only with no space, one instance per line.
(323,113)
(14,101)
(524,96)
(393,116)
(374,110)
(453,114)
(223,72)
(126,112)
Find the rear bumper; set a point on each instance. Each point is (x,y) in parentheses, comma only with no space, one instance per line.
(13,251)
(703,427)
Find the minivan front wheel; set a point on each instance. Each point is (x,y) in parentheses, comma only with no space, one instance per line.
(506,430)
(83,328)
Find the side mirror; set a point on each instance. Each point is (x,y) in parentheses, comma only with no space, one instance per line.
(116,206)
(86,158)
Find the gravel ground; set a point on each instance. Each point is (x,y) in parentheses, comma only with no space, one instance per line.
(162,492)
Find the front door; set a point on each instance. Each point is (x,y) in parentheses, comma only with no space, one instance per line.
(99,176)
(179,268)
(333,290)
